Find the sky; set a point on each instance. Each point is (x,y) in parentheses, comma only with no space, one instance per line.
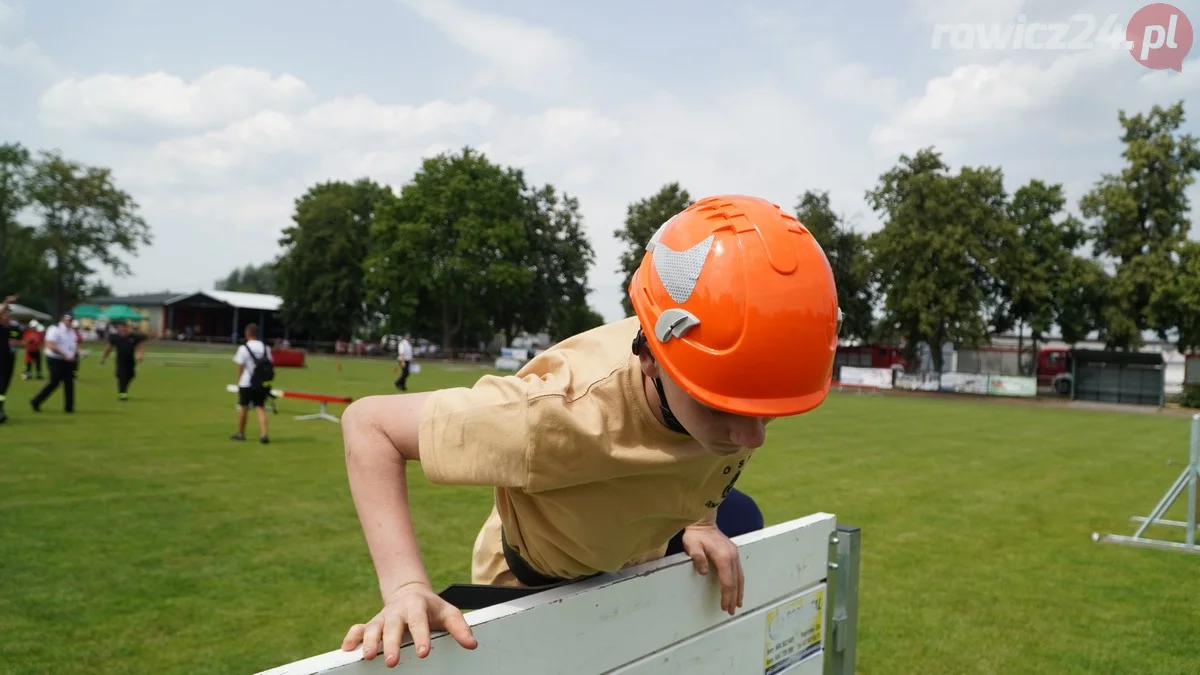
(216,116)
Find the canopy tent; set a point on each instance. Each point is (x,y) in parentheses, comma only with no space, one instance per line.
(87,312)
(117,313)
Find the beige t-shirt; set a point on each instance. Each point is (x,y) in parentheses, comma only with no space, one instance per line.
(587,480)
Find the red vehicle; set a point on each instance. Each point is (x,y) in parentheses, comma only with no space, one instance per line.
(871,356)
(1054,369)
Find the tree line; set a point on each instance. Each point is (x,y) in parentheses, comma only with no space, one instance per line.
(468,249)
(959,259)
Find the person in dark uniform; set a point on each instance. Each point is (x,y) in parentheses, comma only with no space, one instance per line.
(13,339)
(131,350)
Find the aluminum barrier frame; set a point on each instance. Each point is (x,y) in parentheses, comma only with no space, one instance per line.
(1187,479)
(800,617)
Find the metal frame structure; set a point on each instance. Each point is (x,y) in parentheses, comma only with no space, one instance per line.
(800,617)
(1188,479)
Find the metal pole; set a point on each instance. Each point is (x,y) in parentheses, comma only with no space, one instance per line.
(846,547)
(1194,474)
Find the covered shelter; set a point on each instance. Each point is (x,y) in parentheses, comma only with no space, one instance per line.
(222,316)
(23,313)
(1137,378)
(150,305)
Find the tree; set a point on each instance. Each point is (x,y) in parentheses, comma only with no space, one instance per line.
(319,274)
(85,219)
(26,272)
(850,260)
(938,256)
(560,257)
(1177,302)
(250,279)
(642,220)
(1139,221)
(452,247)
(1082,294)
(1040,278)
(14,197)
(24,269)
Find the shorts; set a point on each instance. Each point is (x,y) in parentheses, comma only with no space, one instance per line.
(251,397)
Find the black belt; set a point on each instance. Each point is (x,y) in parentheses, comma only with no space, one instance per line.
(523,571)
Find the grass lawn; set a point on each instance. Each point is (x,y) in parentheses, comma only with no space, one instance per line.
(136,538)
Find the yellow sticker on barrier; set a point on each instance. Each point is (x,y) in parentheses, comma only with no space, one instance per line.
(794,630)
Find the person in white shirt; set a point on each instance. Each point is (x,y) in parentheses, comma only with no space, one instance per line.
(251,393)
(61,351)
(404,356)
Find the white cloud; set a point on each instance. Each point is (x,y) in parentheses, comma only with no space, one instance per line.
(17,52)
(12,17)
(345,136)
(161,100)
(1073,98)
(947,11)
(526,58)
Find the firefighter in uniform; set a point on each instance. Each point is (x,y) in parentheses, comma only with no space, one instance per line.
(13,340)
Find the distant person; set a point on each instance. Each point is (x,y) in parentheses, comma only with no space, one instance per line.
(34,336)
(404,355)
(62,350)
(255,372)
(8,355)
(131,350)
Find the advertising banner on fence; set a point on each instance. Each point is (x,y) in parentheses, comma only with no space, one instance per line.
(920,381)
(878,378)
(1012,385)
(965,383)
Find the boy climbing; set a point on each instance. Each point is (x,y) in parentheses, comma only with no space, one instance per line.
(616,446)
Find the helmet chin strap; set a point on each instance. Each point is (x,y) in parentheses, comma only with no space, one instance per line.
(668,417)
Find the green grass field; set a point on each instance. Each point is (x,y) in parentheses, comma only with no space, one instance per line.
(136,538)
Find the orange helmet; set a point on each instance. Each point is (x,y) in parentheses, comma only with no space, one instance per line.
(738,305)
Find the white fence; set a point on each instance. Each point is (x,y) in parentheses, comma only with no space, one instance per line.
(961,383)
(799,617)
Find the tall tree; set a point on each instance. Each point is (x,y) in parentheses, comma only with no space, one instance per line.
(1038,276)
(1177,303)
(1139,219)
(319,274)
(452,246)
(849,257)
(250,279)
(560,256)
(27,272)
(642,220)
(938,256)
(1083,293)
(14,194)
(85,219)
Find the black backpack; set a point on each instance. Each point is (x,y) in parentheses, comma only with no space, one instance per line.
(264,370)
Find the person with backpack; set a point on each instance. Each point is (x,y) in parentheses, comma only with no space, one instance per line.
(255,373)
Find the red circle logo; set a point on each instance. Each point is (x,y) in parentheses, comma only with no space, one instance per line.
(1159,36)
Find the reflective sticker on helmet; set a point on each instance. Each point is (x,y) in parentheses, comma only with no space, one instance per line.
(679,270)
